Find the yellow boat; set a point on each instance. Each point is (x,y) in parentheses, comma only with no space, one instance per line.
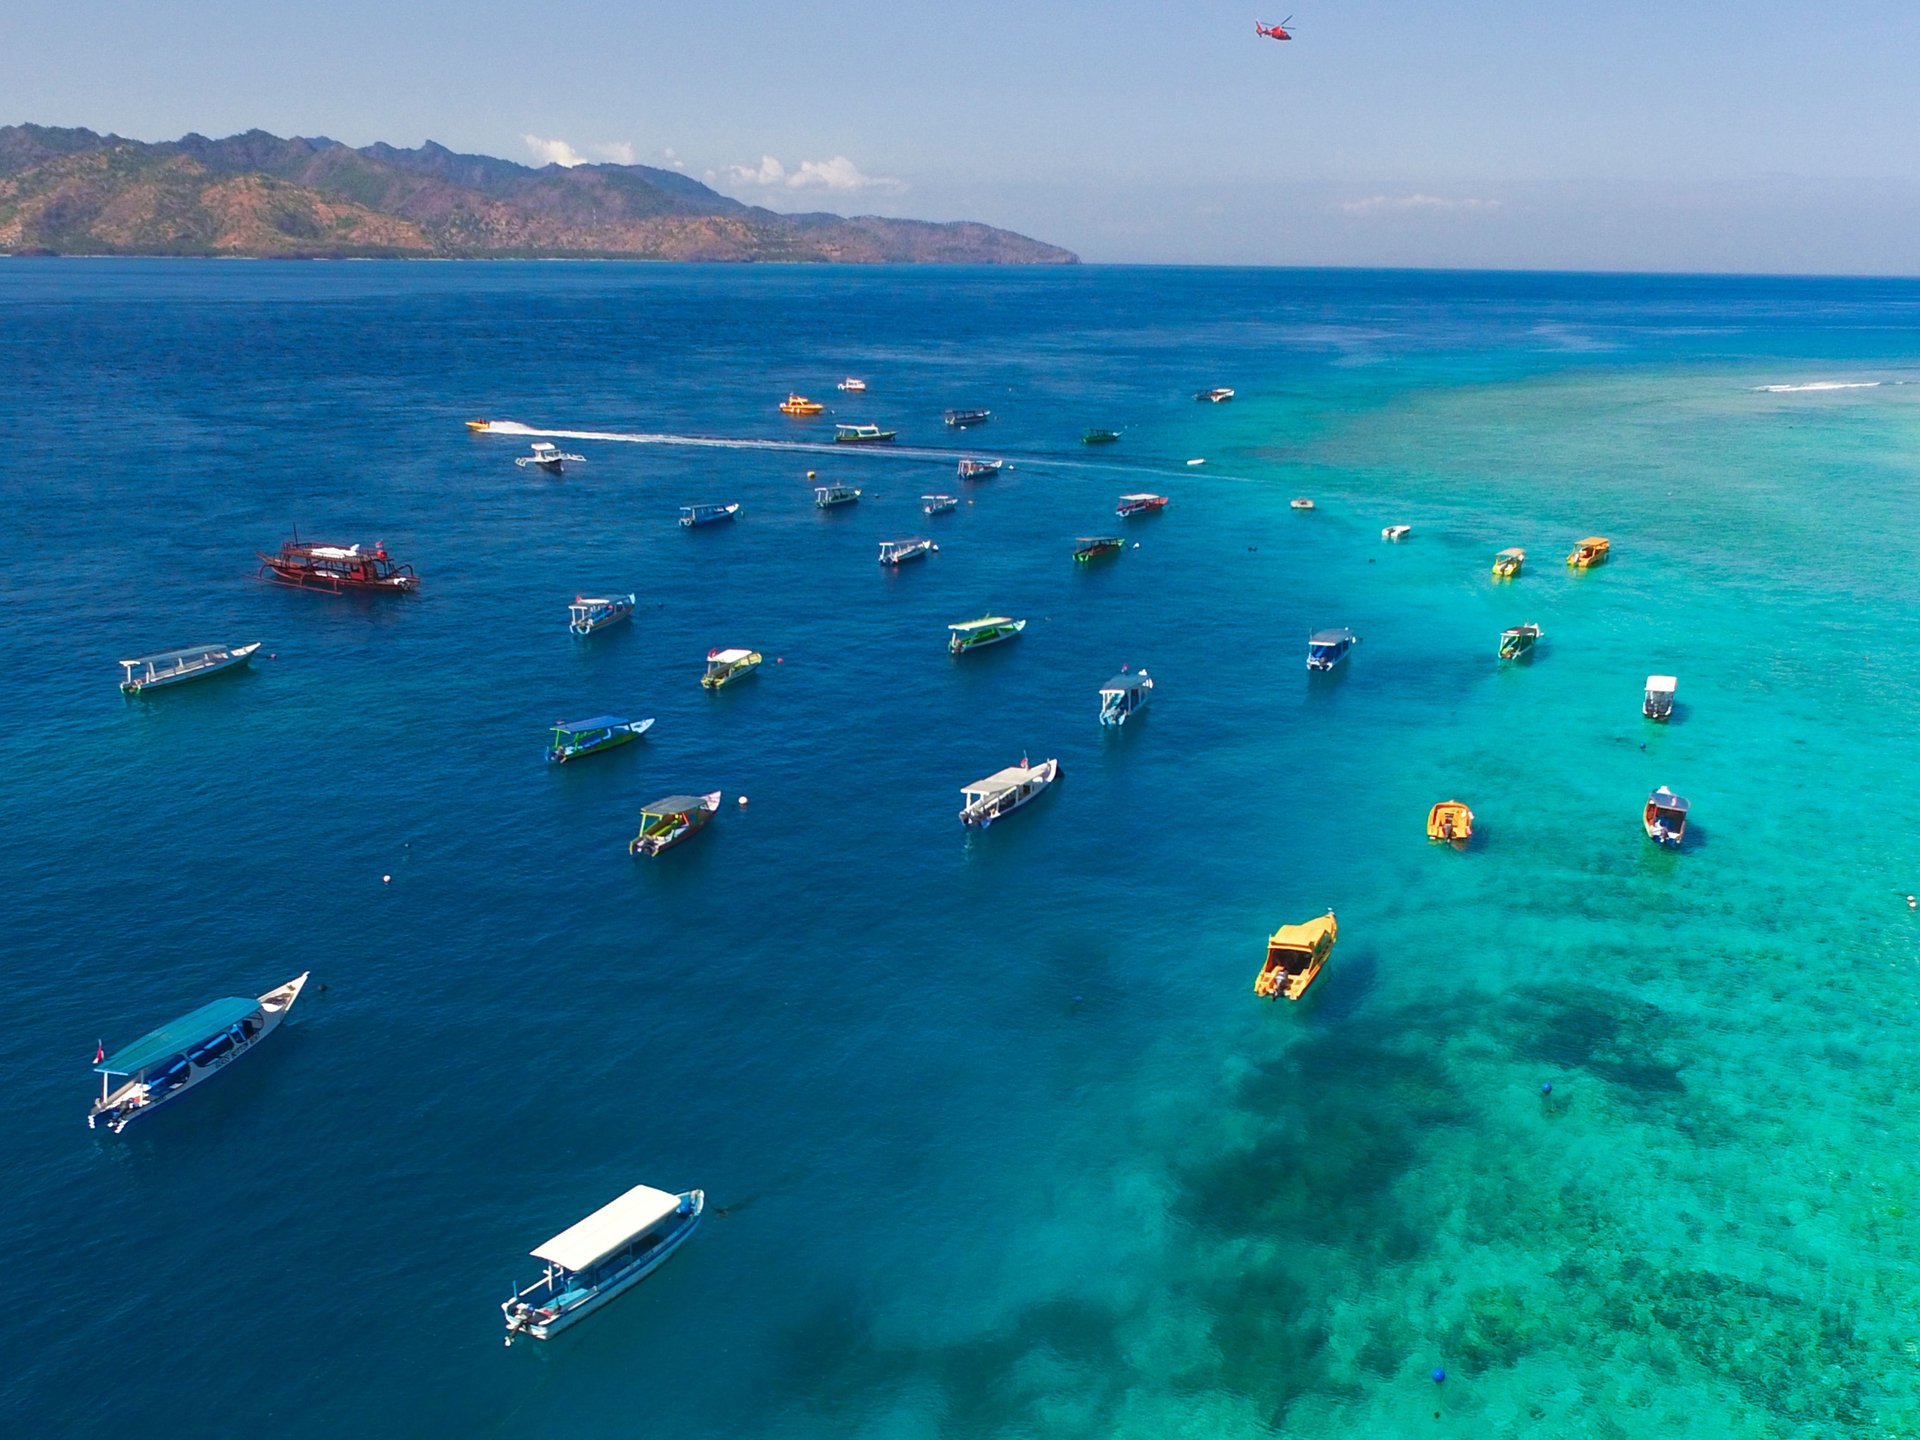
(1295,954)
(1507,563)
(1450,822)
(479,427)
(800,405)
(1589,552)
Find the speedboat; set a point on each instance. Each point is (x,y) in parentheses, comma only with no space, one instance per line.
(692,515)
(972,469)
(1665,818)
(1327,648)
(1396,532)
(1450,822)
(862,435)
(165,1064)
(1005,791)
(1295,954)
(1087,547)
(853,386)
(1507,563)
(549,457)
(1519,640)
(801,405)
(602,1257)
(589,613)
(1218,395)
(1142,504)
(1590,552)
(987,630)
(938,504)
(1659,702)
(574,738)
(479,427)
(960,419)
(1125,696)
(338,569)
(1301,504)
(176,667)
(665,823)
(895,552)
(828,496)
(726,666)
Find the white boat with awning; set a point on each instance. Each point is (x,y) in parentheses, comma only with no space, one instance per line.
(545,455)
(603,1256)
(175,667)
(1659,702)
(1005,791)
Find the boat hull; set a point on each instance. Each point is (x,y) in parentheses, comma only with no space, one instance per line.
(237,659)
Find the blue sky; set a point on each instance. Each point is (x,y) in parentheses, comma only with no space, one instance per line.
(1684,135)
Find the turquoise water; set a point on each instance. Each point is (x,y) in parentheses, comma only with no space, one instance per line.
(1004,1142)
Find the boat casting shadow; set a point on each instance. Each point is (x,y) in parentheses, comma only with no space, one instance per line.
(1339,991)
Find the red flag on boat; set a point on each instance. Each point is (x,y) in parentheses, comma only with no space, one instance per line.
(99,1051)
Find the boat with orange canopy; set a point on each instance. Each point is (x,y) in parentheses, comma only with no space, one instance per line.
(1295,954)
(1450,822)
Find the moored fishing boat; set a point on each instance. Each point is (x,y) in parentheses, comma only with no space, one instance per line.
(589,613)
(166,1063)
(853,386)
(1507,563)
(796,404)
(826,497)
(1218,395)
(1658,704)
(1125,696)
(1301,503)
(1005,791)
(1519,640)
(895,552)
(972,469)
(987,630)
(1141,504)
(176,667)
(1099,437)
(1665,818)
(1450,822)
(726,666)
(1327,648)
(546,456)
(862,435)
(575,738)
(1087,547)
(960,419)
(666,822)
(1590,552)
(692,515)
(601,1257)
(337,569)
(938,504)
(1295,955)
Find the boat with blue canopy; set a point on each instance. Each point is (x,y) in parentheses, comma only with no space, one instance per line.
(574,738)
(589,613)
(1125,696)
(164,1064)
(1327,648)
(692,515)
(176,667)
(601,1257)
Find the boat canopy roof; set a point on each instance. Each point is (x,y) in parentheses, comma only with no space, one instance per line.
(729,657)
(1299,937)
(675,805)
(598,722)
(1595,542)
(1122,683)
(604,1231)
(1511,550)
(1665,799)
(1665,684)
(332,552)
(982,623)
(1332,637)
(178,1035)
(1004,780)
(1143,496)
(187,654)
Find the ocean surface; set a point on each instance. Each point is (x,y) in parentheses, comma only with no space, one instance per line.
(999,1140)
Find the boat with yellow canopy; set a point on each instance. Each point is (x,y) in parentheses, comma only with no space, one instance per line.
(1295,954)
(1589,552)
(1507,563)
(1450,822)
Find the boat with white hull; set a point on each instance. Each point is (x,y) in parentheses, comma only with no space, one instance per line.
(166,1063)
(176,667)
(600,1258)
(1005,791)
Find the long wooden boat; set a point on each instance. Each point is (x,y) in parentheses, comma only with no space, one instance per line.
(337,569)
(987,630)
(575,738)
(1518,641)
(1089,547)
(862,435)
(898,552)
(666,822)
(826,497)
(164,1064)
(1295,955)
(1665,818)
(1125,696)
(1507,563)
(692,515)
(938,504)
(726,666)
(961,419)
(1005,791)
(600,1258)
(176,667)
(1590,552)
(972,469)
(1450,822)
(1142,504)
(589,613)
(796,404)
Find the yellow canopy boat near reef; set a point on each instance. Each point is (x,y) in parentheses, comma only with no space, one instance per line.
(1589,552)
(1450,822)
(1295,954)
(1507,563)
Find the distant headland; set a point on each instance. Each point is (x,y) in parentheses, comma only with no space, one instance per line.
(75,192)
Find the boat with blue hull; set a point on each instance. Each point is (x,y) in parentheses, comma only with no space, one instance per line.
(600,1258)
(692,515)
(589,613)
(176,667)
(1327,648)
(1125,696)
(575,738)
(165,1064)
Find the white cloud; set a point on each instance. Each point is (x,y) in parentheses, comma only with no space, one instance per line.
(554,152)
(839,173)
(619,152)
(1390,204)
(673,159)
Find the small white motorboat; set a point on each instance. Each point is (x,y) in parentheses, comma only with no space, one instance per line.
(602,1257)
(549,457)
(1396,532)
(176,667)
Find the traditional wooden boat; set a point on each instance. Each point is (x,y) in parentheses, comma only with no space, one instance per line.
(1005,791)
(589,613)
(1665,818)
(972,469)
(1519,640)
(176,667)
(166,1063)
(665,823)
(1099,437)
(602,1257)
(1302,503)
(1658,704)
(548,457)
(1507,563)
(1590,552)
(1295,955)
(1327,648)
(828,496)
(987,630)
(726,666)
(1131,505)
(1218,395)
(938,504)
(801,405)
(1125,696)
(337,569)
(961,419)
(575,738)
(692,515)
(1087,547)
(1450,822)
(896,552)
(862,435)
(1396,532)
(853,386)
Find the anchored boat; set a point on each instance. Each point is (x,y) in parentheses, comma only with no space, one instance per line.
(1218,395)
(1099,437)
(1659,702)
(1450,822)
(602,1257)
(1295,954)
(972,469)
(1507,563)
(853,386)
(1125,696)
(1087,547)
(548,457)
(1005,791)
(1519,641)
(987,630)
(1302,503)
(828,496)
(895,552)
(960,419)
(1589,552)
(165,1064)
(692,515)
(800,405)
(1327,648)
(176,667)
(938,504)
(574,738)
(1131,505)
(665,823)
(1665,817)
(590,613)
(862,435)
(338,568)
(1396,532)
(726,666)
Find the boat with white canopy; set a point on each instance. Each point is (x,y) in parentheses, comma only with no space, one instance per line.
(1327,648)
(1659,702)
(602,1257)
(726,666)
(938,504)
(1005,791)
(897,552)
(548,457)
(665,823)
(1125,696)
(589,613)
(826,497)
(176,667)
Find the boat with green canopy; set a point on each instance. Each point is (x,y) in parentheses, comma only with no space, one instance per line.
(574,738)
(164,1064)
(987,630)
(665,823)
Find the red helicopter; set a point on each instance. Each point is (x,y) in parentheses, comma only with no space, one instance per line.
(1274,32)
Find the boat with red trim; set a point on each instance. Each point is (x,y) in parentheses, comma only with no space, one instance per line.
(338,568)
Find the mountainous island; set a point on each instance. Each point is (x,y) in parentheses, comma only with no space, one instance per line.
(75,192)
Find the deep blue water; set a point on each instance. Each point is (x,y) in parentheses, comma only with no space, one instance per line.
(1006,1145)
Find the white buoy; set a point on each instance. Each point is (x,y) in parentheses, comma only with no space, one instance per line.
(386,879)
(743,802)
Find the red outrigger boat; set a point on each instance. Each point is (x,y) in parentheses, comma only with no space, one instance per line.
(338,568)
